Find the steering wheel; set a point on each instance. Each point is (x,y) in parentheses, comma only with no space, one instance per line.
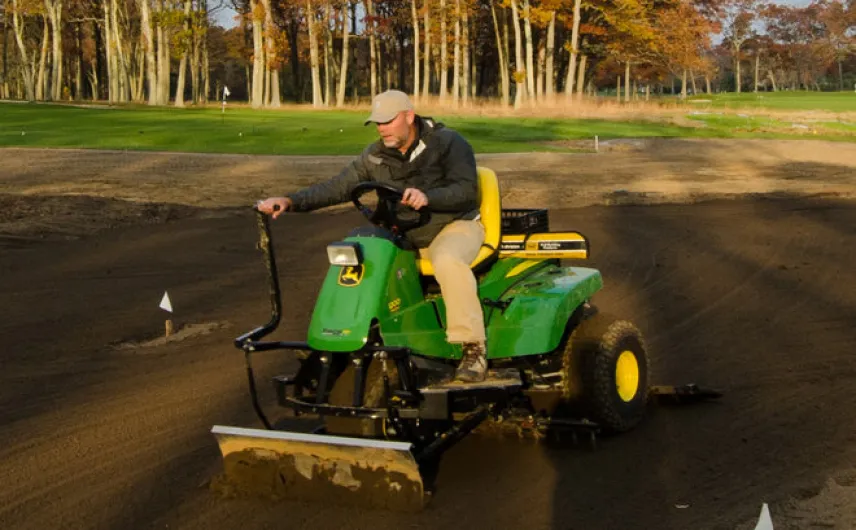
(386,213)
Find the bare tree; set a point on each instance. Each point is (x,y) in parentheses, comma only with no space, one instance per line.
(164,36)
(149,43)
(54,11)
(465,36)
(519,75)
(271,61)
(313,54)
(530,69)
(426,77)
(415,22)
(503,62)
(456,77)
(27,64)
(184,42)
(575,35)
(40,80)
(370,25)
(581,73)
(444,66)
(343,74)
(257,15)
(551,44)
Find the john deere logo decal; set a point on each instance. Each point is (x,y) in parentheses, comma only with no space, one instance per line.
(351,276)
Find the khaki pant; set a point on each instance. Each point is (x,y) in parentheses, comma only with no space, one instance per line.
(451,253)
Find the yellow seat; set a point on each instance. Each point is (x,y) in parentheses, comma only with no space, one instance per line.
(491,217)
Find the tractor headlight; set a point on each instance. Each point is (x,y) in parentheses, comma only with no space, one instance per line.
(344,254)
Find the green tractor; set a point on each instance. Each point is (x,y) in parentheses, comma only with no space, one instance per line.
(376,370)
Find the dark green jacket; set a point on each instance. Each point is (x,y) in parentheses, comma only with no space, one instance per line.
(441,164)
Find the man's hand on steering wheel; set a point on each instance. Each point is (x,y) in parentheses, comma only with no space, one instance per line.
(389,197)
(414,198)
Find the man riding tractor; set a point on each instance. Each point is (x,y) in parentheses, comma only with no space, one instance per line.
(436,168)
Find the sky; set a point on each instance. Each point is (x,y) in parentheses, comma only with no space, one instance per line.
(225,16)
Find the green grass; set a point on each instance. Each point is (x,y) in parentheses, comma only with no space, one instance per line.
(307,132)
(792,101)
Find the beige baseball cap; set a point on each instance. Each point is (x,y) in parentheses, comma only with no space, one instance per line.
(387,105)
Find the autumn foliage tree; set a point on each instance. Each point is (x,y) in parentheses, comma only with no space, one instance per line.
(330,52)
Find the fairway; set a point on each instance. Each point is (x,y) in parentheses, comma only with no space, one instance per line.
(341,132)
(786,100)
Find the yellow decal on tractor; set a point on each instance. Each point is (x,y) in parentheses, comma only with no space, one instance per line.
(395,305)
(351,276)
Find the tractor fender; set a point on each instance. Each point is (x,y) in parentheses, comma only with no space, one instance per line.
(538,310)
(352,298)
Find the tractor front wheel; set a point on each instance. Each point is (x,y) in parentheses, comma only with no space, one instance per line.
(605,368)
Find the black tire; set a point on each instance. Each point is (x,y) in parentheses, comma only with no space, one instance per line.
(342,394)
(606,372)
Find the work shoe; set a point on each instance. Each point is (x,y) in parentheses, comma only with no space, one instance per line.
(473,367)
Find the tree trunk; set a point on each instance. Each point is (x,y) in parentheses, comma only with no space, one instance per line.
(473,80)
(757,70)
(647,92)
(112,79)
(343,73)
(182,64)
(271,62)
(426,72)
(692,81)
(372,49)
(549,81)
(40,80)
(737,81)
(772,80)
(149,42)
(618,90)
(519,75)
(78,61)
(414,15)
(206,78)
(575,33)
(54,10)
(164,61)
(707,83)
(627,82)
(467,78)
(4,83)
(684,84)
(313,54)
(122,69)
(98,61)
(256,13)
(26,66)
(381,72)
(581,74)
(194,57)
(841,74)
(140,60)
(456,67)
(401,66)
(444,66)
(540,66)
(530,68)
(93,82)
(328,56)
(503,61)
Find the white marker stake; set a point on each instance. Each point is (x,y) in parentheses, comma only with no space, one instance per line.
(765,522)
(166,305)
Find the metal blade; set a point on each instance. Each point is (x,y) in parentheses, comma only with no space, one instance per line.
(335,469)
